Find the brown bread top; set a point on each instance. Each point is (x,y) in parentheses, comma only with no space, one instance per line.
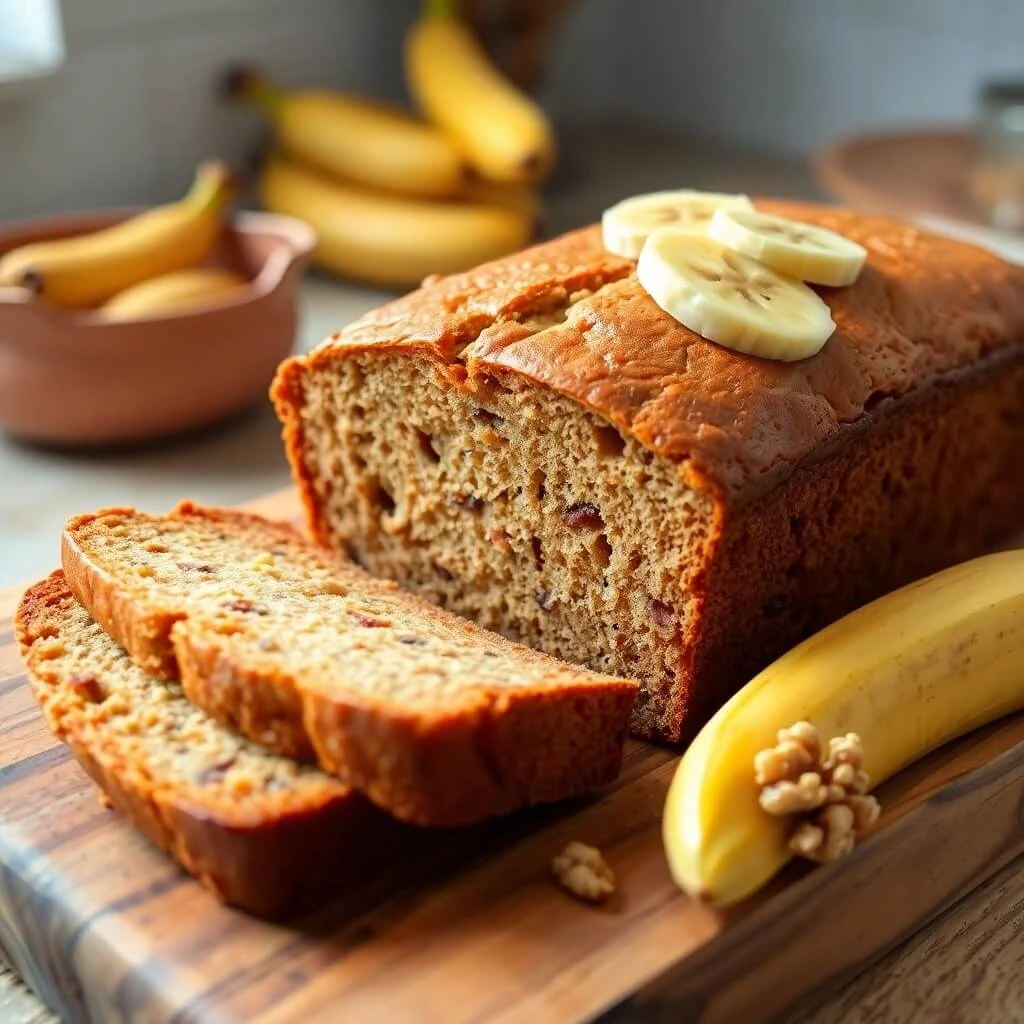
(262,832)
(573,317)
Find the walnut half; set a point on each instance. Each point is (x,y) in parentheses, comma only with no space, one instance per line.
(824,791)
(583,871)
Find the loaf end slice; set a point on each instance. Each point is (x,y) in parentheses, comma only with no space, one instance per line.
(436,720)
(261,832)
(140,617)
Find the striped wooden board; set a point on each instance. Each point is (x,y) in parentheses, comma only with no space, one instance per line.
(105,928)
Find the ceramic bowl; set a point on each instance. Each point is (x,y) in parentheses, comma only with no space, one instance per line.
(73,378)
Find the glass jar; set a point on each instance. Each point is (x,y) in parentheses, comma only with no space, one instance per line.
(997,179)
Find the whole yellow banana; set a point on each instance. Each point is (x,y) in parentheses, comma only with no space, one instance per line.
(390,240)
(908,672)
(367,142)
(499,130)
(86,270)
(172,293)
(513,197)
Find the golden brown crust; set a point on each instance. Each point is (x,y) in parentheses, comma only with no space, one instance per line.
(273,858)
(887,456)
(262,703)
(288,400)
(924,306)
(465,761)
(514,750)
(142,630)
(926,481)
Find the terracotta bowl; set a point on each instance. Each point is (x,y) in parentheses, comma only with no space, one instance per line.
(72,378)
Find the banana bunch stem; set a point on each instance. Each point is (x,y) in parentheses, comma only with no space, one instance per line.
(440,9)
(249,86)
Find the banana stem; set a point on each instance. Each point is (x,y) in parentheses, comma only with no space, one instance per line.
(213,186)
(440,9)
(252,87)
(267,96)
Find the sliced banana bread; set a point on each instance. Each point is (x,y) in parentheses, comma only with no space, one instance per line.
(537,445)
(263,833)
(436,720)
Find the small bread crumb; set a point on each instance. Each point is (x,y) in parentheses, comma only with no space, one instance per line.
(582,871)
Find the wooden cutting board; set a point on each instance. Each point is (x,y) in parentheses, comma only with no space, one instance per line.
(105,928)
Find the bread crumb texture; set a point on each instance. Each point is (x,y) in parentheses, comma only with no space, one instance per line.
(144,729)
(274,599)
(537,446)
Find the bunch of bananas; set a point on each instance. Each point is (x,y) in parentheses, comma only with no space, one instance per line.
(395,198)
(143,266)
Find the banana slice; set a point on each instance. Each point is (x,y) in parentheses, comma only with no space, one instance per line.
(789,246)
(626,225)
(731,299)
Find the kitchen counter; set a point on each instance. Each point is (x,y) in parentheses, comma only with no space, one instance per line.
(960,967)
(39,489)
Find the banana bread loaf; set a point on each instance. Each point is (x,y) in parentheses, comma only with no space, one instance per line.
(436,720)
(537,446)
(262,832)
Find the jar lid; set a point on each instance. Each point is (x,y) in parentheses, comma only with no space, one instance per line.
(1003,92)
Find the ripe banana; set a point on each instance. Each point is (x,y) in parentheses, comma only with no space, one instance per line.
(805,251)
(390,240)
(731,299)
(368,142)
(87,270)
(500,131)
(172,293)
(908,673)
(626,225)
(511,197)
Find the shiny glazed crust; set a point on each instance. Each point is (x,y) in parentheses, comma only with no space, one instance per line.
(272,855)
(892,453)
(492,752)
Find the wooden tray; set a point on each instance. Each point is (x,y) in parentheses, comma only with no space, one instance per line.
(105,928)
(912,173)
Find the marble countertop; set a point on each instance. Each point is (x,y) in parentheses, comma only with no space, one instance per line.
(238,461)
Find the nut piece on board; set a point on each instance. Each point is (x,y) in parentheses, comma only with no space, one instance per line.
(582,871)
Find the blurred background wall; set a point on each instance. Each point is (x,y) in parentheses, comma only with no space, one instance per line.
(131,110)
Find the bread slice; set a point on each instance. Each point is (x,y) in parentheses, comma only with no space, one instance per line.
(263,833)
(436,720)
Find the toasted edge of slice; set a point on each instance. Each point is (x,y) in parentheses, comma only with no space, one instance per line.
(492,751)
(143,626)
(270,854)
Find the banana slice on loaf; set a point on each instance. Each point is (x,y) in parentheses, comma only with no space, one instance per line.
(805,251)
(731,299)
(628,224)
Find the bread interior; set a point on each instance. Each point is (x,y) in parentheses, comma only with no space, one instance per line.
(513,506)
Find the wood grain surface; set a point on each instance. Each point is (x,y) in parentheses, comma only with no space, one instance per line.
(105,928)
